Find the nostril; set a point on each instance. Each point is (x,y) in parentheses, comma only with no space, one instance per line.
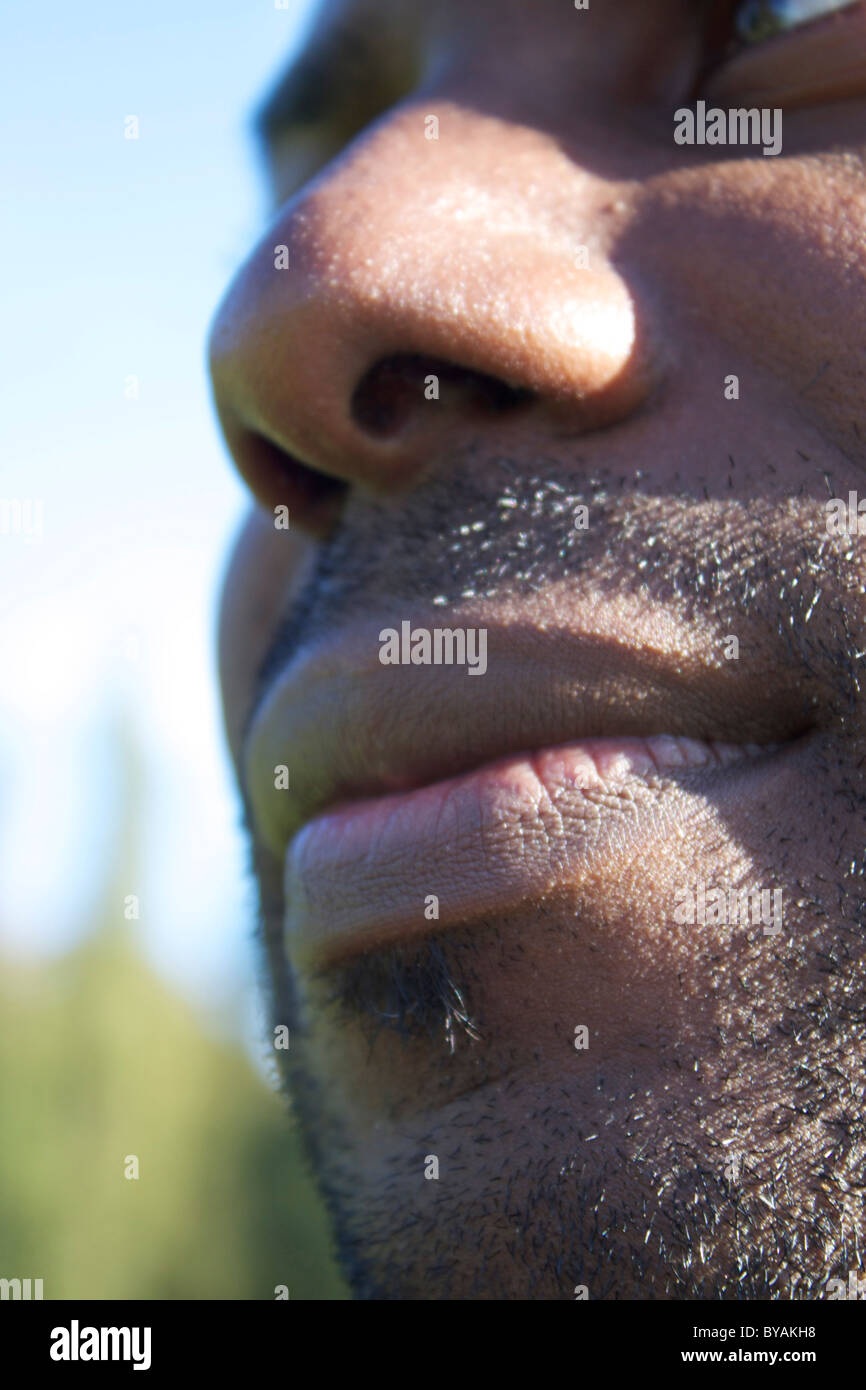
(278,479)
(391,391)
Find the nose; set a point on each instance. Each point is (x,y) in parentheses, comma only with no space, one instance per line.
(420,288)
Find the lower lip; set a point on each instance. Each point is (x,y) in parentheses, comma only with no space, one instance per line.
(363,875)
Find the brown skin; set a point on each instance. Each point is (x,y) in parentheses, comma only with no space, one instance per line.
(608,1167)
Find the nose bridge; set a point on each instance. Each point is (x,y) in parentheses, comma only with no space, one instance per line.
(472,241)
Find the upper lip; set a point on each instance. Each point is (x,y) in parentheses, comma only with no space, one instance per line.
(347,727)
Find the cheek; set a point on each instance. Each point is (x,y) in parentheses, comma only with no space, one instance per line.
(266,567)
(767,258)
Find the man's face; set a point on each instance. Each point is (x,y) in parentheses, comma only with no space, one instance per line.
(567,932)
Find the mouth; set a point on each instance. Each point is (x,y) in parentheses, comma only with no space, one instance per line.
(395,867)
(405,799)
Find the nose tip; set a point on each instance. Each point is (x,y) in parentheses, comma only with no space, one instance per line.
(398,324)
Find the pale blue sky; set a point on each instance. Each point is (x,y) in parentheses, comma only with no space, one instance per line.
(115,253)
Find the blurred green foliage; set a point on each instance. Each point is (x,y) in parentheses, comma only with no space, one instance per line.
(99,1059)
